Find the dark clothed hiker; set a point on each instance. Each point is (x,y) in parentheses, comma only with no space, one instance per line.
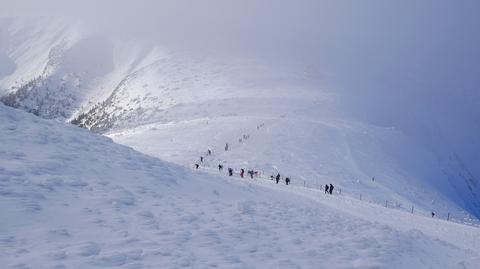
(331,189)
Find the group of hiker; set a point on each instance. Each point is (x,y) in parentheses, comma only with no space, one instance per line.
(277,178)
(329,189)
(253,173)
(250,173)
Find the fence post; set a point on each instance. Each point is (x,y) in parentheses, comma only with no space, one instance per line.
(339,191)
(412,209)
(386,203)
(360,196)
(304,183)
(448,216)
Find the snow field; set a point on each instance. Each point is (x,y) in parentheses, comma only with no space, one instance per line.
(72,199)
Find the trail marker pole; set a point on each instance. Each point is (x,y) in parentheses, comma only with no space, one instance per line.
(386,203)
(412,209)
(448,216)
(360,196)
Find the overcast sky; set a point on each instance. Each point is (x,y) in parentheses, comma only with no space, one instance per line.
(400,58)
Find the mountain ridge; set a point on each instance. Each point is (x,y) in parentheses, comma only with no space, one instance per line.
(91,82)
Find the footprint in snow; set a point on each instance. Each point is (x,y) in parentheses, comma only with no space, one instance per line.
(149,220)
(59,255)
(135,255)
(188,219)
(247,207)
(287,264)
(86,249)
(20,266)
(113,260)
(146,214)
(31,204)
(122,199)
(7,241)
(59,233)
(183,236)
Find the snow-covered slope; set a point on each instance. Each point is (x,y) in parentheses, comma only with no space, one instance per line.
(54,65)
(73,199)
(175,105)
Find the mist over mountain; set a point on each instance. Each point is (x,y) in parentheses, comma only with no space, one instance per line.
(372,51)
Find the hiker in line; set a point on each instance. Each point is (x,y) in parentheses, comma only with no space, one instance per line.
(230,172)
(251,174)
(331,189)
(373,179)
(226,146)
(201,159)
(196,166)
(242,172)
(277,178)
(287,180)
(433,214)
(220,167)
(326,188)
(209,152)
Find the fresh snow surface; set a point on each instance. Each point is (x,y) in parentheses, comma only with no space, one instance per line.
(73,199)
